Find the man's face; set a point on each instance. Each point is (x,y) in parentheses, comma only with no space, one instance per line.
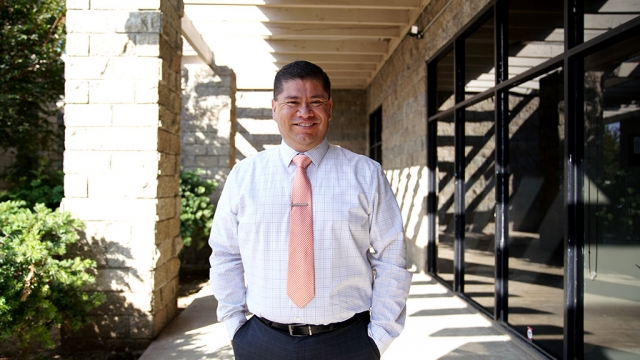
(302,111)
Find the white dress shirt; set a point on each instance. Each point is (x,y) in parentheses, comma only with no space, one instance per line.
(354,211)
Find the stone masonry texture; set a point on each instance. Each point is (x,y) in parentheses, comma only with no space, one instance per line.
(208,115)
(400,89)
(121,163)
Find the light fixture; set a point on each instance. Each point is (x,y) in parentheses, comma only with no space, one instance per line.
(415,32)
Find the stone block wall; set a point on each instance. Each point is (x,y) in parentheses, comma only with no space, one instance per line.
(208,118)
(256,129)
(400,88)
(349,122)
(121,162)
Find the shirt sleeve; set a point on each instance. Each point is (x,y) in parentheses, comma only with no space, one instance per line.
(388,260)
(227,271)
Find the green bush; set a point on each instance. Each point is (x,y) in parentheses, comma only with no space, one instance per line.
(41,286)
(197,210)
(36,186)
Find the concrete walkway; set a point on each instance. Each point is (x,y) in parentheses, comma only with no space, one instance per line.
(439,326)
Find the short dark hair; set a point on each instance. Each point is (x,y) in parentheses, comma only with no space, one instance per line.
(300,70)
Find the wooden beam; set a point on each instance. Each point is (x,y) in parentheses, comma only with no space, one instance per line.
(328,58)
(349,82)
(333,74)
(339,66)
(328,47)
(363,4)
(351,39)
(290,31)
(298,15)
(404,29)
(194,38)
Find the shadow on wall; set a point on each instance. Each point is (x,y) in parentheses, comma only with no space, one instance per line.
(410,187)
(256,130)
(208,98)
(120,324)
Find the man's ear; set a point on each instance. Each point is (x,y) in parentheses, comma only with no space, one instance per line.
(273,109)
(330,108)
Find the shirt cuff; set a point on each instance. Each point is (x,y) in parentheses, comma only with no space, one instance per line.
(233,324)
(380,337)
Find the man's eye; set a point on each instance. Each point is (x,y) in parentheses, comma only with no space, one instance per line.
(317,103)
(292,103)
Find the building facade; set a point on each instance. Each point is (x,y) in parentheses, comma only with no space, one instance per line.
(510,134)
(509,131)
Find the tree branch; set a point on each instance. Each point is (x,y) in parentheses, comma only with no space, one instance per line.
(26,290)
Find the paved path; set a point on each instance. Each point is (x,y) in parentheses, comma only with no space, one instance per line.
(439,326)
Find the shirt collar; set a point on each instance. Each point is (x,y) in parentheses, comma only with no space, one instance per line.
(316,154)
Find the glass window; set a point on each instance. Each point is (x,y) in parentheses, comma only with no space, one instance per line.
(601,16)
(612,202)
(536,210)
(536,33)
(480,203)
(444,74)
(375,135)
(445,219)
(479,65)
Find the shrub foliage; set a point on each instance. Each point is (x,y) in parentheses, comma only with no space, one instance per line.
(197,210)
(37,186)
(40,285)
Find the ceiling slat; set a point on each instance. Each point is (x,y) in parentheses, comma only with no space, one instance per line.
(361,4)
(328,58)
(272,30)
(328,47)
(299,15)
(350,39)
(340,66)
(333,74)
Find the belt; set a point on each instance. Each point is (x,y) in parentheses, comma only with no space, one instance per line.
(308,330)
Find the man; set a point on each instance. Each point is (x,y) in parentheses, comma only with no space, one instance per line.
(297,240)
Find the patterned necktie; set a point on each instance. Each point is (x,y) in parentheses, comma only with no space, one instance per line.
(300,283)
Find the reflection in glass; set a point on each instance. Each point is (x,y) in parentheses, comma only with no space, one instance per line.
(479,70)
(480,203)
(536,33)
(445,196)
(444,71)
(601,16)
(536,211)
(612,202)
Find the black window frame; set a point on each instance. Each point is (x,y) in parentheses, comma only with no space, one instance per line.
(572,61)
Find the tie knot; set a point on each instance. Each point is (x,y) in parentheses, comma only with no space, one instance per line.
(301,161)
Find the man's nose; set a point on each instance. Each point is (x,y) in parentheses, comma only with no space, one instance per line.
(305,110)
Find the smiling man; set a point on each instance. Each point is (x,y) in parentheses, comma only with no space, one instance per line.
(308,238)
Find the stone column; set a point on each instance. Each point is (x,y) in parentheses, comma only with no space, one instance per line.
(121,162)
(208,119)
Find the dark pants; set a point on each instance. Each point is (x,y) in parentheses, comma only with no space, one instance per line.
(257,341)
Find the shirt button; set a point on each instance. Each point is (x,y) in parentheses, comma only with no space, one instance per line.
(297,319)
